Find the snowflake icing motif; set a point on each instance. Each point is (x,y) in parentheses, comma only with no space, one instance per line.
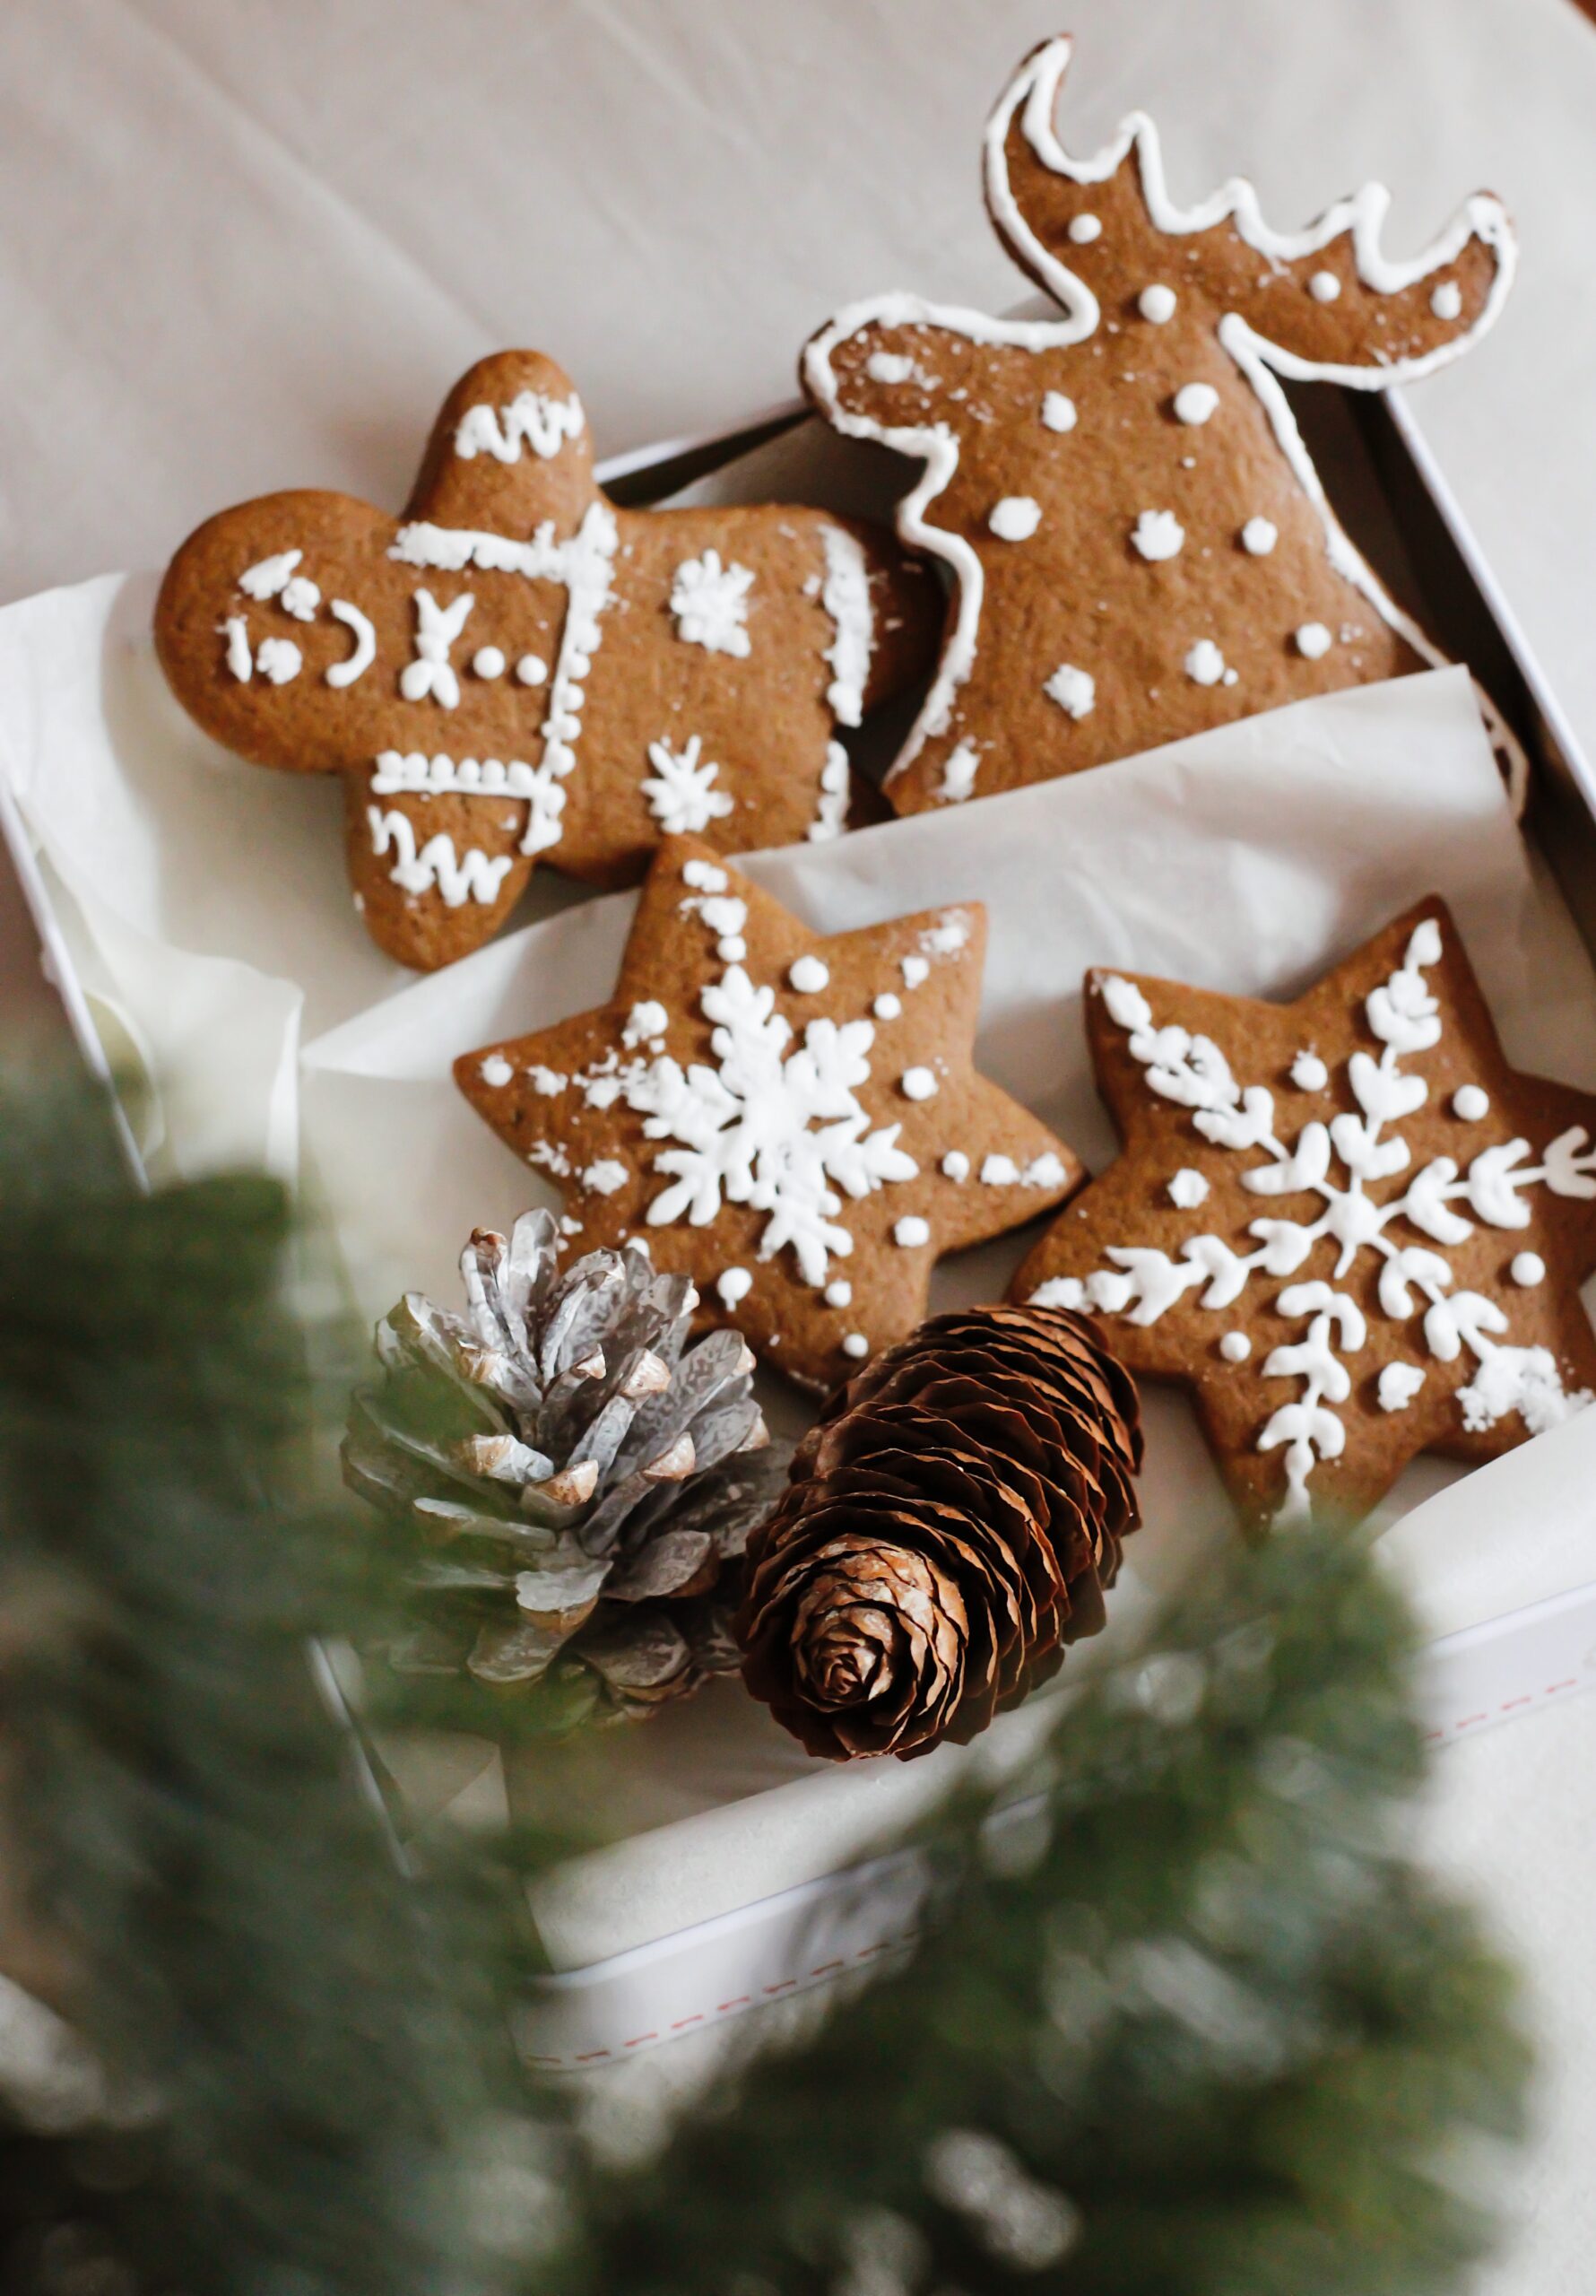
(710,603)
(1363,1148)
(681,791)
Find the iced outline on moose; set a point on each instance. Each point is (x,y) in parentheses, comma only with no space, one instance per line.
(1036,86)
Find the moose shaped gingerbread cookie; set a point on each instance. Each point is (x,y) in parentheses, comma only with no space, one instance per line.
(518,667)
(1140,543)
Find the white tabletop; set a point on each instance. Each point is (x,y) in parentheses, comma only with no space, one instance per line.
(251,247)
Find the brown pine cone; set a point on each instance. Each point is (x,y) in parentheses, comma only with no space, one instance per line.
(950,1524)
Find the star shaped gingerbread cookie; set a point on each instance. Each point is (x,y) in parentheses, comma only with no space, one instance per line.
(520,667)
(1347,1224)
(793,1120)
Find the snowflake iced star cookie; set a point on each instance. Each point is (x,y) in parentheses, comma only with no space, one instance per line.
(1140,545)
(518,667)
(1346,1224)
(794,1122)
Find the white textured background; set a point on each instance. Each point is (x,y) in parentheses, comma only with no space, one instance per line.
(248,244)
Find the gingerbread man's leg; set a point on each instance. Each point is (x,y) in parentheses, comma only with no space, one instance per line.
(434,875)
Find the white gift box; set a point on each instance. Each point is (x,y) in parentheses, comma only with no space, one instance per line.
(194,917)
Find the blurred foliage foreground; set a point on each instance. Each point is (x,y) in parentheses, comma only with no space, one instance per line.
(1187,2021)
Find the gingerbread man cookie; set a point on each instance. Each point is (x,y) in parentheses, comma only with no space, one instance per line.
(1346,1224)
(519,668)
(1141,546)
(794,1121)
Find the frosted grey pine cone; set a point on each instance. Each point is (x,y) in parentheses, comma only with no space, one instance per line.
(579,1480)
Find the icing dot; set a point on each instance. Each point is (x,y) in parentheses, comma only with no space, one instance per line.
(1259,537)
(1058,412)
(1324,287)
(839,1292)
(1205,664)
(809,976)
(645,1019)
(1447,301)
(956,1165)
(301,598)
(532,669)
(1397,1385)
(886,1007)
(912,1232)
(704,877)
(1074,691)
(913,970)
(1157,303)
(1529,1269)
(998,1171)
(1309,1073)
(1470,1102)
(856,1345)
(278,659)
(1313,640)
(1188,1189)
(1194,403)
(1016,517)
(1235,1347)
(917,1085)
(889,366)
(734,1284)
(488,662)
(604,1176)
(732,948)
(1159,534)
(1085,229)
(496,1071)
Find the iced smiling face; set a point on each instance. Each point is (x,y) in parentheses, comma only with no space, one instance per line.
(1346,1222)
(1140,542)
(794,1121)
(517,668)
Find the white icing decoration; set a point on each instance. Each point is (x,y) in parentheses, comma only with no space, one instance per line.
(1314,641)
(1157,303)
(948,935)
(681,791)
(1143,1282)
(1324,287)
(301,598)
(832,808)
(1308,1072)
(1235,1347)
(1195,403)
(1075,691)
(269,577)
(240,660)
(1032,98)
(914,969)
(1158,534)
(889,366)
(605,1176)
(856,1345)
(886,1007)
(437,629)
(548,1082)
(734,1284)
(1205,664)
(1471,1103)
(1001,1171)
(531,418)
(1016,517)
(839,1292)
(809,976)
(956,1165)
(959,775)
(912,1232)
(1447,301)
(1259,537)
(488,662)
(531,670)
(1188,1189)
(362,654)
(917,1085)
(1058,411)
(704,877)
(710,604)
(496,1071)
(1085,229)
(279,660)
(845,595)
(1528,1269)
(1397,1384)
(471,875)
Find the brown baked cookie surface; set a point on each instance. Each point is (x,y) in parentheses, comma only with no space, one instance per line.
(518,667)
(1141,546)
(793,1120)
(1347,1224)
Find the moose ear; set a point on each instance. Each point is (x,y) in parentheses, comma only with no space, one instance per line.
(510,449)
